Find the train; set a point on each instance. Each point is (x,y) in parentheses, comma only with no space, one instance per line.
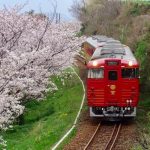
(112,82)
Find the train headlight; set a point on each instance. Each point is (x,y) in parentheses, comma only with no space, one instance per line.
(95,63)
(130,63)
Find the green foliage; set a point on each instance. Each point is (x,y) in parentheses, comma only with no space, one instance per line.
(135,10)
(139,8)
(143,121)
(34,111)
(82,30)
(79,34)
(38,110)
(140,52)
(45,122)
(137,147)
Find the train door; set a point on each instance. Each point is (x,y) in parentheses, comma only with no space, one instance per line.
(112,86)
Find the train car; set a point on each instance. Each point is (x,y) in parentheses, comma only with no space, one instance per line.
(112,81)
(92,43)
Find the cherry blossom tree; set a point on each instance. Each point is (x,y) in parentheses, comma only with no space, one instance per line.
(32,48)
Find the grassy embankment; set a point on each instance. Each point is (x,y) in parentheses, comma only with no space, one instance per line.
(45,122)
(143,122)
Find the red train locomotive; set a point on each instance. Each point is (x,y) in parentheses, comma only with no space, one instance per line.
(112,79)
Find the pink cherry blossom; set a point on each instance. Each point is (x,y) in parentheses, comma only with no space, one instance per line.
(32,48)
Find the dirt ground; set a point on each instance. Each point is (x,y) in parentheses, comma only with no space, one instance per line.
(126,140)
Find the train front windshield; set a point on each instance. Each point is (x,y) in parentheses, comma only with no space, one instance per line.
(130,73)
(96,73)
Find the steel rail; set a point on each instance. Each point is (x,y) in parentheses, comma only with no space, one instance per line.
(91,139)
(114,134)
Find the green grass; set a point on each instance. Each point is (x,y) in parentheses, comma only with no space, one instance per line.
(138,1)
(67,140)
(45,122)
(143,121)
(143,109)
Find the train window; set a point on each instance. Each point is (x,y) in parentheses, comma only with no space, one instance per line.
(130,73)
(112,75)
(96,73)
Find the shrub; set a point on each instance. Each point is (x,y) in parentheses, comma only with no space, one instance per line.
(35,111)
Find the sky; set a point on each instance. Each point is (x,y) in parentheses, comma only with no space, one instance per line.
(42,5)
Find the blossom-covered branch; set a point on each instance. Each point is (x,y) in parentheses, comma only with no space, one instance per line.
(32,48)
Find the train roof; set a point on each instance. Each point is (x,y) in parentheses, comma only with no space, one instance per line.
(97,40)
(121,52)
(113,50)
(106,48)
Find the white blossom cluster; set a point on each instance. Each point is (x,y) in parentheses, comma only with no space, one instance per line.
(32,48)
(3,143)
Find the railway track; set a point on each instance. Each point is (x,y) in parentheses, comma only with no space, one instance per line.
(106,143)
(113,137)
